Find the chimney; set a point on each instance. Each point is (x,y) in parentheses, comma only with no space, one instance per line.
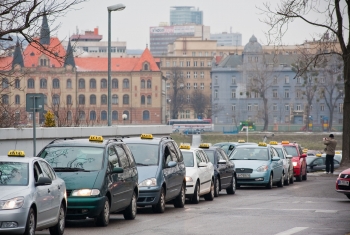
(96,31)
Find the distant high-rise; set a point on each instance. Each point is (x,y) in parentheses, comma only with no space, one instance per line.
(227,39)
(180,15)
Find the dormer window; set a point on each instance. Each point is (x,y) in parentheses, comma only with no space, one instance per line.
(146,67)
(43,62)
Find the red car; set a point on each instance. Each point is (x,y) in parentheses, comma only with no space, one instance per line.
(298,160)
(343,183)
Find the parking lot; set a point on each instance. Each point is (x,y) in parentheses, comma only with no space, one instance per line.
(307,207)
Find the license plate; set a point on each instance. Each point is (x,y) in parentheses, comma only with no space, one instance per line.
(343,182)
(243,175)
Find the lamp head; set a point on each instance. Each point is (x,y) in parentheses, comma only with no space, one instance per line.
(118,7)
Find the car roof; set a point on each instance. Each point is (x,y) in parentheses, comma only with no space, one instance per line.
(252,146)
(82,142)
(154,140)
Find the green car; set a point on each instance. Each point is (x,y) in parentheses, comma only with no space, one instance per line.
(100,175)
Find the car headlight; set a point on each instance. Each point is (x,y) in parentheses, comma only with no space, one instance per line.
(148,182)
(295,163)
(13,203)
(189,179)
(85,192)
(262,168)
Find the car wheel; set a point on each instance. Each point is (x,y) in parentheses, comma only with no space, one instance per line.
(130,212)
(232,188)
(30,225)
(160,206)
(305,176)
(181,198)
(216,187)
(292,179)
(348,195)
(210,196)
(270,183)
(102,219)
(287,179)
(58,229)
(195,197)
(280,183)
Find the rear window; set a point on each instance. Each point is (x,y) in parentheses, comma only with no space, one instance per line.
(13,174)
(188,159)
(291,150)
(249,154)
(145,154)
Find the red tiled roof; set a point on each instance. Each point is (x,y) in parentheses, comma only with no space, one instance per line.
(6,63)
(146,57)
(32,53)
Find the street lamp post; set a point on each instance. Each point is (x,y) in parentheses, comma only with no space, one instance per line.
(118,7)
(124,116)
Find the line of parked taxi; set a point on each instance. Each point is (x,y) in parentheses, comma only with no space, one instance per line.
(76,179)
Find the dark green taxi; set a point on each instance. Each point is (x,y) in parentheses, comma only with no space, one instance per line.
(100,175)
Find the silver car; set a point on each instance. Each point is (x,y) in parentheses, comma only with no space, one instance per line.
(32,197)
(287,162)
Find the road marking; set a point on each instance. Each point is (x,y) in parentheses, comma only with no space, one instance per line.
(327,211)
(292,231)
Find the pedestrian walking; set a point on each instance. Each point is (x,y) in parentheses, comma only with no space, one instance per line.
(331,144)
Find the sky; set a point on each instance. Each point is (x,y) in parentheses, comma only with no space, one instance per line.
(133,23)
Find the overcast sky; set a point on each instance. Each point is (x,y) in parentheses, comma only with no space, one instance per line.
(132,24)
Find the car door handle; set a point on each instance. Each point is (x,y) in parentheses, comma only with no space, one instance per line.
(48,191)
(59,187)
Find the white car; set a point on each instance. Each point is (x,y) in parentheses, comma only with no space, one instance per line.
(199,174)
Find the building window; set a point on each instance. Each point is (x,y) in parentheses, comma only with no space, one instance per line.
(233,94)
(233,107)
(249,107)
(81,83)
(17,99)
(216,94)
(174,63)
(167,85)
(274,93)
(195,75)
(188,63)
(81,115)
(275,80)
(298,107)
(69,99)
(195,86)
(17,83)
(188,86)
(30,83)
(286,107)
(5,99)
(149,84)
(127,114)
(143,99)
(92,83)
(126,83)
(195,63)
(56,83)
(202,86)
(103,115)
(92,115)
(274,107)
(322,107)
(125,99)
(43,83)
(143,83)
(114,115)
(286,79)
(209,63)
(103,84)
(181,64)
(340,107)
(193,53)
(103,99)
(56,99)
(69,83)
(115,99)
(145,67)
(42,62)
(69,115)
(114,83)
(256,107)
(92,99)
(145,115)
(298,94)
(286,93)
(188,98)
(188,74)
(202,74)
(233,80)
(202,63)
(81,99)
(149,100)
(188,114)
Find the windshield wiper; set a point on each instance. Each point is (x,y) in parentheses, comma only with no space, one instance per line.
(69,169)
(142,164)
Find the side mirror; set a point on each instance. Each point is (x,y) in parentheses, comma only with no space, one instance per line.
(118,170)
(303,155)
(289,156)
(202,164)
(275,159)
(171,164)
(43,181)
(221,161)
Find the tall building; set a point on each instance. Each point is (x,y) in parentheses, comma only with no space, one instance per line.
(227,39)
(162,36)
(180,15)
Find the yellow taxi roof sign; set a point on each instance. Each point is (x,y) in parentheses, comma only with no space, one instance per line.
(204,145)
(262,144)
(185,146)
(318,154)
(285,142)
(96,138)
(273,142)
(16,153)
(241,141)
(337,152)
(146,136)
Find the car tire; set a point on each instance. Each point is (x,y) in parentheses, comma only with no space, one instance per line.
(292,179)
(232,188)
(347,195)
(270,183)
(179,201)
(216,187)
(58,229)
(280,183)
(102,220)
(305,176)
(160,206)
(299,177)
(31,224)
(130,212)
(195,197)
(210,196)
(287,180)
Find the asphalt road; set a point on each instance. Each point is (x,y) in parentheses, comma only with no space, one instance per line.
(310,207)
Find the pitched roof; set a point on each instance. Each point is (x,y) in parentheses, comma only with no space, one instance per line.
(33,51)
(6,63)
(146,57)
(17,56)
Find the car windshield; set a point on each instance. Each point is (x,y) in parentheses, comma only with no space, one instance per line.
(74,158)
(249,154)
(13,174)
(280,152)
(291,150)
(145,154)
(188,159)
(210,154)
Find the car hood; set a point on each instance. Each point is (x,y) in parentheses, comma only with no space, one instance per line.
(253,164)
(79,180)
(146,172)
(8,192)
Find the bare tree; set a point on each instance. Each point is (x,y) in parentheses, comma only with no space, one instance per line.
(334,21)
(199,102)
(177,91)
